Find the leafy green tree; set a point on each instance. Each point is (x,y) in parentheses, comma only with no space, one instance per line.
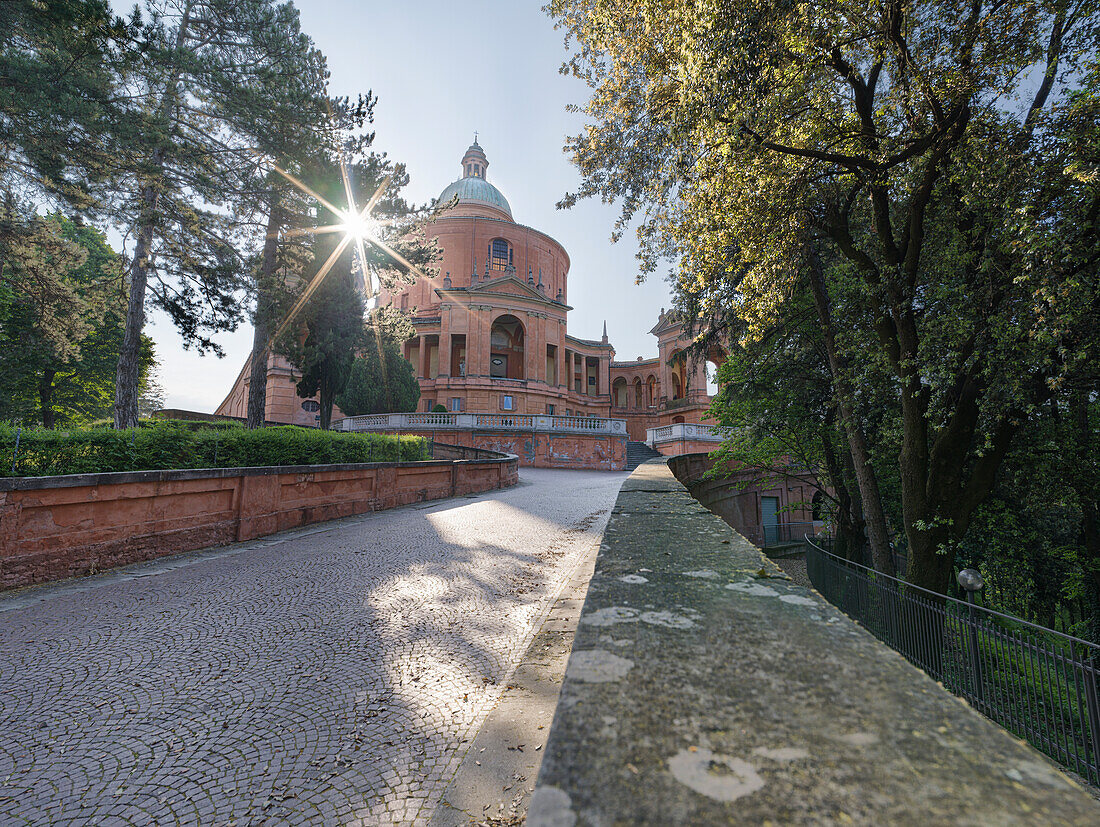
(381,380)
(889,142)
(776,397)
(60,336)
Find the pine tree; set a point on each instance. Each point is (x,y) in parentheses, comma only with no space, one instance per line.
(381,378)
(58,86)
(323,341)
(209,77)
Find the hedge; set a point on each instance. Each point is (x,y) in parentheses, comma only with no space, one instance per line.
(175,444)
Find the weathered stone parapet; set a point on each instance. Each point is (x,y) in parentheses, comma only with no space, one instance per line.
(705,688)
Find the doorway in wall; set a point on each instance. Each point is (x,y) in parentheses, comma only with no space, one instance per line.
(769,519)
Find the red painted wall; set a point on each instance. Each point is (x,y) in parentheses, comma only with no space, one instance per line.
(596,452)
(54,527)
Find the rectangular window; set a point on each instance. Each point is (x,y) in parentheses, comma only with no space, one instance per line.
(507,403)
(549,410)
(456,404)
(429,404)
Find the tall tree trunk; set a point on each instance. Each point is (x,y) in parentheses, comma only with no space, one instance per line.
(265,305)
(129,359)
(45,397)
(866,480)
(849,530)
(327,399)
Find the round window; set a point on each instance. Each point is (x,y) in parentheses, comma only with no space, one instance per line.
(311,405)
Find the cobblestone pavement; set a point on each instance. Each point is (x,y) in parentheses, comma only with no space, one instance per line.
(332,675)
(795,567)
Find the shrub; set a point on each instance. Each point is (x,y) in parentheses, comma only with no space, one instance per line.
(175,444)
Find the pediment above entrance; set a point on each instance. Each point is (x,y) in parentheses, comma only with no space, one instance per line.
(503,286)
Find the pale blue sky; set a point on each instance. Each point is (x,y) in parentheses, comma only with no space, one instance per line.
(442,70)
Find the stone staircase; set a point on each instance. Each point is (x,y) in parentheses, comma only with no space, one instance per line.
(637,453)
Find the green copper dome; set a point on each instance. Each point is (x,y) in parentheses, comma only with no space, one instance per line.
(472,188)
(476,191)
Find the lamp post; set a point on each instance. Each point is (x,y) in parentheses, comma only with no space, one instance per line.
(971,581)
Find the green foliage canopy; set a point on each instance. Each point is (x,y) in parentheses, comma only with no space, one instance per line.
(889,140)
(381,380)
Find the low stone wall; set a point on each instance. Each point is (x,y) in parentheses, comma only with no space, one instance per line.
(593,452)
(706,688)
(54,527)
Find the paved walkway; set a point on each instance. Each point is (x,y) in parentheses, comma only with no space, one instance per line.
(332,675)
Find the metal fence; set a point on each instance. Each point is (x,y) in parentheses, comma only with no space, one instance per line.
(1037,683)
(861,554)
(777,535)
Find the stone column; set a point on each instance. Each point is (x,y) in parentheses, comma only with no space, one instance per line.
(563,377)
(533,348)
(445,340)
(424,362)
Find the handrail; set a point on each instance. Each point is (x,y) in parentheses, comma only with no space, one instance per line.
(939,596)
(470,421)
(1039,683)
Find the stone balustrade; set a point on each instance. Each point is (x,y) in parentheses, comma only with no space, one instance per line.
(469,421)
(539,441)
(683,432)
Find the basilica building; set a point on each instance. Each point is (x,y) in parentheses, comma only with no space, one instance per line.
(492,332)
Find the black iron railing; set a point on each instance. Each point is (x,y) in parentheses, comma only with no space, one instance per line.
(777,535)
(861,553)
(1037,683)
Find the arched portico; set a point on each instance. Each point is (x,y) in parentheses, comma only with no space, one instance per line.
(507,357)
(678,369)
(619,395)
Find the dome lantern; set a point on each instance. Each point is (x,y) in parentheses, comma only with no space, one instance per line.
(474,162)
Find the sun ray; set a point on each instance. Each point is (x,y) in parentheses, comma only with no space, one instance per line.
(398,257)
(309,191)
(378,194)
(356,225)
(328,228)
(312,286)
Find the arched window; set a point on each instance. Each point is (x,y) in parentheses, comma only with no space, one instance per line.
(679,377)
(500,254)
(818,506)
